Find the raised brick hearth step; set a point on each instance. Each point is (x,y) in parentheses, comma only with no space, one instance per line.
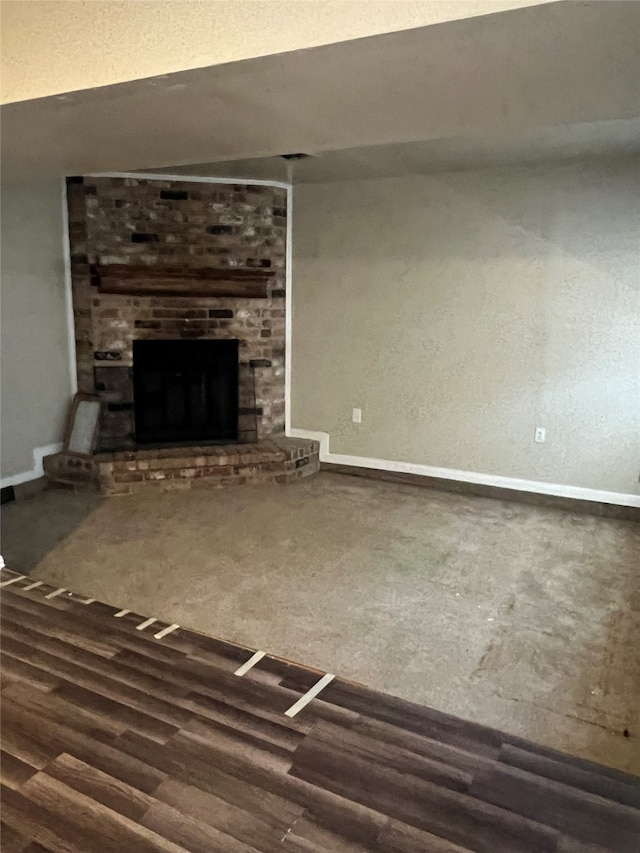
(277,460)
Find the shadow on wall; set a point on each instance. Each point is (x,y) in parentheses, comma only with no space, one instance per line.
(33,526)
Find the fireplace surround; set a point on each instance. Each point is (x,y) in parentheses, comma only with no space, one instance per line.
(156,260)
(179,307)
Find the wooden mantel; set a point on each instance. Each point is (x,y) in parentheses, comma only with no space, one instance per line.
(125,279)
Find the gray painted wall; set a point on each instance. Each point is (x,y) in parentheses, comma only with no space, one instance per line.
(35,380)
(462,310)
(459,311)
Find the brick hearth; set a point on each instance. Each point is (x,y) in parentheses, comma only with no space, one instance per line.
(278,460)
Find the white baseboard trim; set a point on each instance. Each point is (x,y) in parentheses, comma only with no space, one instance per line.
(37,471)
(562,491)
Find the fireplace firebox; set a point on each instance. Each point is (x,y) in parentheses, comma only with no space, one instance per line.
(185,391)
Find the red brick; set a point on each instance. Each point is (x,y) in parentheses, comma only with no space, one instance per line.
(118,203)
(128,477)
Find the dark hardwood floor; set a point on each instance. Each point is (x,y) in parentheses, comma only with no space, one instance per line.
(113,740)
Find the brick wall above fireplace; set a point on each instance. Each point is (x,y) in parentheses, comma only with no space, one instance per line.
(177,227)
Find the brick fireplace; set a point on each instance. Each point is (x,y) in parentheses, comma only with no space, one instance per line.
(179,308)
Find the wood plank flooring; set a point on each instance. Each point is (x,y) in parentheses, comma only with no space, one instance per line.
(113,740)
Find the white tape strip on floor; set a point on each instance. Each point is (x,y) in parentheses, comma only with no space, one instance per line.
(309,695)
(88,601)
(56,592)
(121,613)
(145,624)
(32,586)
(11,580)
(165,631)
(253,660)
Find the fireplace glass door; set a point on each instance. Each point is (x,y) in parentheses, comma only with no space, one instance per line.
(185,391)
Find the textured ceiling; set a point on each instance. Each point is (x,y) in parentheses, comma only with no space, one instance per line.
(493,81)
(56,46)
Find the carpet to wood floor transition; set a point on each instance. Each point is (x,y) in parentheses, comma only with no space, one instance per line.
(115,740)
